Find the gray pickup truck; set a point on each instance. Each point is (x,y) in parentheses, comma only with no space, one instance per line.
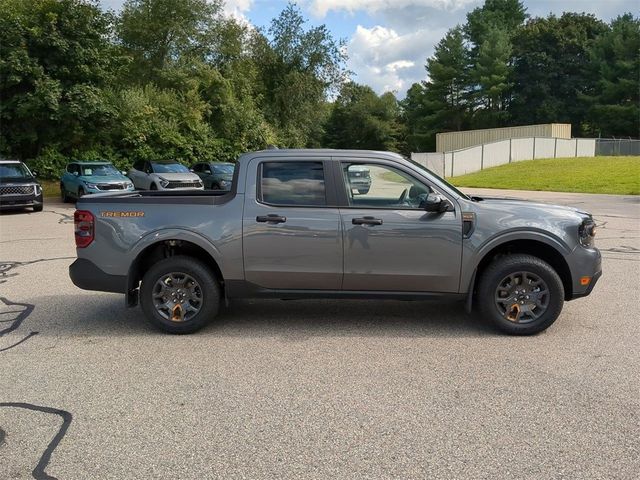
(293,226)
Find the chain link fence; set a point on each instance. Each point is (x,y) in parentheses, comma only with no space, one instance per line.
(617,146)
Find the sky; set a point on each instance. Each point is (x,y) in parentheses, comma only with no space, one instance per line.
(388,41)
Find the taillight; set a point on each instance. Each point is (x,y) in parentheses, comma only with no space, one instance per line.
(84,223)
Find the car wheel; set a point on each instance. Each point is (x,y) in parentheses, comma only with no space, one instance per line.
(520,294)
(153,187)
(80,192)
(180,295)
(63,194)
(38,208)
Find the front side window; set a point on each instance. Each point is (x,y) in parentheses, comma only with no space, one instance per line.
(380,186)
(293,183)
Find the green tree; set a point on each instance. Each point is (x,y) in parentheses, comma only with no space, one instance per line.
(505,15)
(552,70)
(615,103)
(298,68)
(55,59)
(360,119)
(441,104)
(157,34)
(492,75)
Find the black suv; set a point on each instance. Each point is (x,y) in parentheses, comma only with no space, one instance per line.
(18,186)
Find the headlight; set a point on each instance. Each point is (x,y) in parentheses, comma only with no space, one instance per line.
(91,185)
(130,186)
(163,182)
(587,233)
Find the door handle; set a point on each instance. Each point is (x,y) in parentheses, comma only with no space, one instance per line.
(271,218)
(366,221)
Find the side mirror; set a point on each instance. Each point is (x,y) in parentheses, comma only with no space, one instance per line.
(35,173)
(76,173)
(123,172)
(434,203)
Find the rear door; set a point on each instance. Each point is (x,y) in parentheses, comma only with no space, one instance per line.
(390,243)
(291,225)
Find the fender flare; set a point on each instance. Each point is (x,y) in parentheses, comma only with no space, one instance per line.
(158,236)
(503,238)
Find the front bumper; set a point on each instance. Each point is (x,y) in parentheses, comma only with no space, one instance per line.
(87,275)
(20,201)
(584,262)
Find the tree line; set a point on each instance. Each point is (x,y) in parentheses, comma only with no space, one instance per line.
(178,79)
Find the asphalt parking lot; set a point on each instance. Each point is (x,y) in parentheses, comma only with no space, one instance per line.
(314,389)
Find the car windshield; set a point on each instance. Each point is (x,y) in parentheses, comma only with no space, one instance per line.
(425,169)
(169,167)
(100,170)
(14,170)
(223,169)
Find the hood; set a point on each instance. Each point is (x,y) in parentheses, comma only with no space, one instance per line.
(179,177)
(527,208)
(104,178)
(18,181)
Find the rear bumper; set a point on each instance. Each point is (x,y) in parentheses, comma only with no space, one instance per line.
(87,275)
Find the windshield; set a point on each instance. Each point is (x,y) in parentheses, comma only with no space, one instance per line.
(425,169)
(14,170)
(223,169)
(169,168)
(102,170)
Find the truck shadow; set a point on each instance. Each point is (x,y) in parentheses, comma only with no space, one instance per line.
(106,315)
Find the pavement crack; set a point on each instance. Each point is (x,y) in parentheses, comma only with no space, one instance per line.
(39,472)
(7,266)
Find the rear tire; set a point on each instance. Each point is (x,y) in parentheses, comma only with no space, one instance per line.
(189,279)
(517,306)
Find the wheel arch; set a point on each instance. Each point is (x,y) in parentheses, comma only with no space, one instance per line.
(545,249)
(167,245)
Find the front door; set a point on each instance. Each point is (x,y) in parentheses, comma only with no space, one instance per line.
(390,243)
(291,226)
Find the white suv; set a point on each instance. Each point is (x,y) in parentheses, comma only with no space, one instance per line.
(163,175)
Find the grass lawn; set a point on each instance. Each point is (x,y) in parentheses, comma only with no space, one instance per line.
(50,188)
(614,175)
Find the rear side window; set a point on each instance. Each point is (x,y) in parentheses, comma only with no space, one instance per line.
(292,183)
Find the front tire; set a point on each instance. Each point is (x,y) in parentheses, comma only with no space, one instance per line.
(63,194)
(153,186)
(180,295)
(521,294)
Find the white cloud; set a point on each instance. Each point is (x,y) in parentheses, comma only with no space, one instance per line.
(322,7)
(237,9)
(388,61)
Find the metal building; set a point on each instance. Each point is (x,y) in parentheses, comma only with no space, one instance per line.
(447,142)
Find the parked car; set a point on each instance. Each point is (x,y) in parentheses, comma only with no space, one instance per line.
(215,175)
(359,179)
(84,178)
(164,175)
(292,227)
(19,187)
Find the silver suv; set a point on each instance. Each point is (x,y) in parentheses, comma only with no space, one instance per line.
(163,175)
